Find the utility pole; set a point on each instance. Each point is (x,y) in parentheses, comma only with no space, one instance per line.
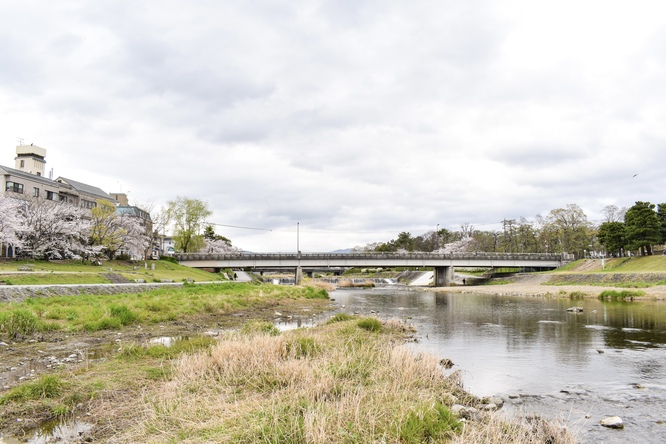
(299,270)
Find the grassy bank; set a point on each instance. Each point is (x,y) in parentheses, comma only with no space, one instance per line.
(76,272)
(105,312)
(351,381)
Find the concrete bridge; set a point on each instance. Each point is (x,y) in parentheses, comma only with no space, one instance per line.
(443,264)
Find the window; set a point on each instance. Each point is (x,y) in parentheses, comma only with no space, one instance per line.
(50,195)
(63,198)
(22,163)
(13,186)
(35,192)
(88,204)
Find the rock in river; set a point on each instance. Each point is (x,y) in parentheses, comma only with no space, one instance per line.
(613,422)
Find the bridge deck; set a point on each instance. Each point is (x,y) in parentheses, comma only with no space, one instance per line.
(293,260)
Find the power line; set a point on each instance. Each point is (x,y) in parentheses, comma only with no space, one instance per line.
(238,226)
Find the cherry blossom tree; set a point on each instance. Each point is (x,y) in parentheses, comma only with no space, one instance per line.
(215,243)
(10,221)
(52,230)
(134,237)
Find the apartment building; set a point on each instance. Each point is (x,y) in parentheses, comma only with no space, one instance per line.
(27,180)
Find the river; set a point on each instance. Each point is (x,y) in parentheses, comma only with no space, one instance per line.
(608,360)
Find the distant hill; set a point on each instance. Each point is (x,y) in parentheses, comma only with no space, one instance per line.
(344,250)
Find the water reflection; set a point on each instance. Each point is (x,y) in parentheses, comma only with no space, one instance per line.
(581,365)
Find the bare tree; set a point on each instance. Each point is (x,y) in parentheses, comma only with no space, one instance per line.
(466,230)
(159,221)
(613,213)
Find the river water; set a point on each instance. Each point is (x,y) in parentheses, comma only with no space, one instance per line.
(608,360)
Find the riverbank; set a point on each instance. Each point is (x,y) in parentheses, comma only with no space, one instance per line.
(549,285)
(212,367)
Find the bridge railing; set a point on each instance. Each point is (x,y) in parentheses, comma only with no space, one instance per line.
(561,257)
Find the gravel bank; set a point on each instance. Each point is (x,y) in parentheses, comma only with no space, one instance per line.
(538,285)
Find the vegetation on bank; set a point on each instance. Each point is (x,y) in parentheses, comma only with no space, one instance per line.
(613,295)
(77,272)
(350,381)
(353,380)
(106,312)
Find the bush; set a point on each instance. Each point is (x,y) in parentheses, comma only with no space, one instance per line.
(169,259)
(18,322)
(102,324)
(370,324)
(428,425)
(259,327)
(48,386)
(123,313)
(339,317)
(614,295)
(576,295)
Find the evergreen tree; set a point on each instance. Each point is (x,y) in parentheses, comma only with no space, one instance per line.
(642,227)
(612,236)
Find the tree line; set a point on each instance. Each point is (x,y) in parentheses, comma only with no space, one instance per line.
(38,228)
(563,230)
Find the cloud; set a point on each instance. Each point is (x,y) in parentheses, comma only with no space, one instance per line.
(357,119)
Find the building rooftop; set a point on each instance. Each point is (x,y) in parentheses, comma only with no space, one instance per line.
(82,187)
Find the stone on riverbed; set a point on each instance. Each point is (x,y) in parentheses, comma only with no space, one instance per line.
(463,412)
(612,422)
(575,309)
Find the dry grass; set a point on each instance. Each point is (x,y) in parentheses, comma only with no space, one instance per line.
(334,384)
(497,429)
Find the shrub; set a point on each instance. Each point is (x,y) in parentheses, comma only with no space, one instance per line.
(169,259)
(315,293)
(339,317)
(123,313)
(370,324)
(48,386)
(17,322)
(259,327)
(105,323)
(615,295)
(576,295)
(428,424)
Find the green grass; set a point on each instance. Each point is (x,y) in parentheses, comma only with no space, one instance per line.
(18,322)
(108,312)
(623,295)
(77,272)
(48,278)
(339,317)
(634,264)
(428,423)
(48,386)
(370,324)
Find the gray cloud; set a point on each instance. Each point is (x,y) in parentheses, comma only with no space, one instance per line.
(357,119)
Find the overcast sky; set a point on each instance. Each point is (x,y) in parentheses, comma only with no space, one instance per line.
(356,119)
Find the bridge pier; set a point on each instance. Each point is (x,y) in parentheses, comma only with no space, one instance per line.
(443,276)
(299,276)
